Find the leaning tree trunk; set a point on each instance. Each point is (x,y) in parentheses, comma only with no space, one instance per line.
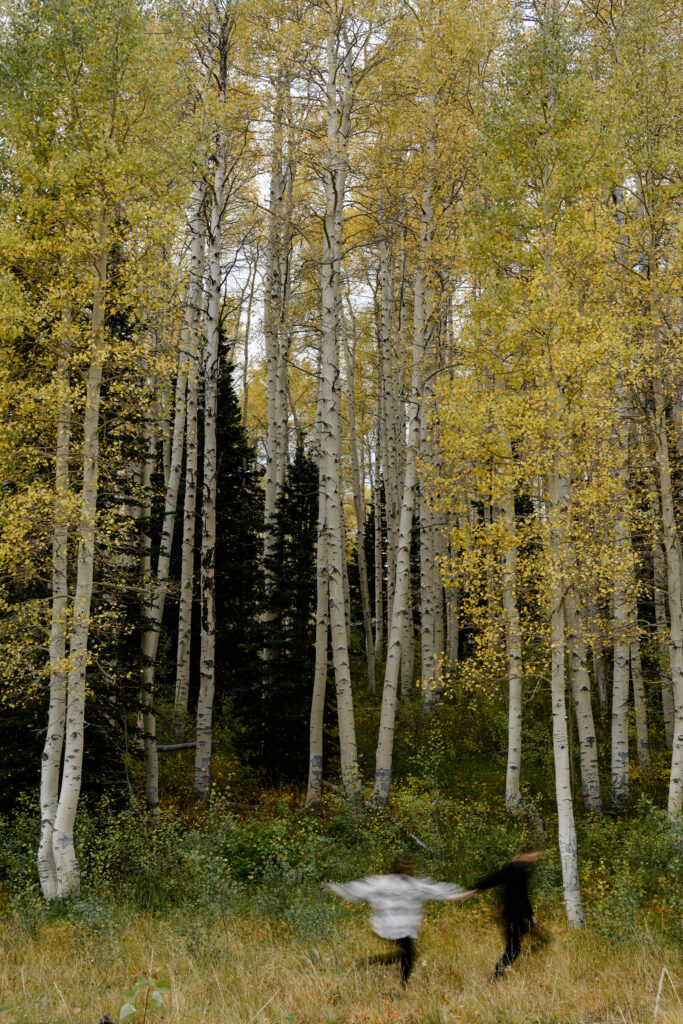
(559,492)
(54,737)
(207,659)
(66,864)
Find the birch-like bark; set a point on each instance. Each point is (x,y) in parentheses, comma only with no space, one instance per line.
(54,738)
(379,559)
(642,737)
(427,611)
(597,652)
(399,613)
(207,660)
(408,648)
(581,695)
(558,493)
(659,586)
(513,642)
(622,613)
(674,564)
(66,863)
(338,128)
(359,507)
(322,625)
(190,342)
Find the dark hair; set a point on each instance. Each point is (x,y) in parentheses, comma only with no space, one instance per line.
(403,864)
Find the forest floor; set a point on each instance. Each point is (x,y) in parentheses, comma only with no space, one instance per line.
(253,972)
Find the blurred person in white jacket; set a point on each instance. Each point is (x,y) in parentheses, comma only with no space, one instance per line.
(397,902)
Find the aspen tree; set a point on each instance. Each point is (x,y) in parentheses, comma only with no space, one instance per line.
(400,609)
(54,737)
(66,864)
(190,342)
(207,666)
(331,555)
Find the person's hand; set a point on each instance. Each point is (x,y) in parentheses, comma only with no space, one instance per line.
(465,895)
(534,920)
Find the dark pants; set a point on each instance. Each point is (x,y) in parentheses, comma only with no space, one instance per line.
(406,957)
(514,930)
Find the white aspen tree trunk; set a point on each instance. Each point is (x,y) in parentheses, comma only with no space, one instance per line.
(559,493)
(338,128)
(439,631)
(453,626)
(620,679)
(359,507)
(207,660)
(190,340)
(597,652)
(659,587)
(54,737)
(157,582)
(66,864)
(581,695)
(640,707)
(399,612)
(513,641)
(387,423)
(379,562)
(427,612)
(247,330)
(408,648)
(674,564)
(271,321)
(322,625)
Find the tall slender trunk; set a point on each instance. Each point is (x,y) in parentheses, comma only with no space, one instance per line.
(379,560)
(620,678)
(399,612)
(659,588)
(190,341)
(408,648)
(207,660)
(597,651)
(642,737)
(559,492)
(674,564)
(338,128)
(581,694)
(322,625)
(513,641)
(54,737)
(359,507)
(66,864)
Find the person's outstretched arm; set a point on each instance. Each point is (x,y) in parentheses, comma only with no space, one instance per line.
(356,892)
(430,890)
(499,877)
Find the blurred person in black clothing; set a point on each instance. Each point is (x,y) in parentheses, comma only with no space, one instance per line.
(517,913)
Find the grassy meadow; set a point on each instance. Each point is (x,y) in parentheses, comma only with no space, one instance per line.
(254,972)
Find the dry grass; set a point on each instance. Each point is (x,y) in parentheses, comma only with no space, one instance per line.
(248,973)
